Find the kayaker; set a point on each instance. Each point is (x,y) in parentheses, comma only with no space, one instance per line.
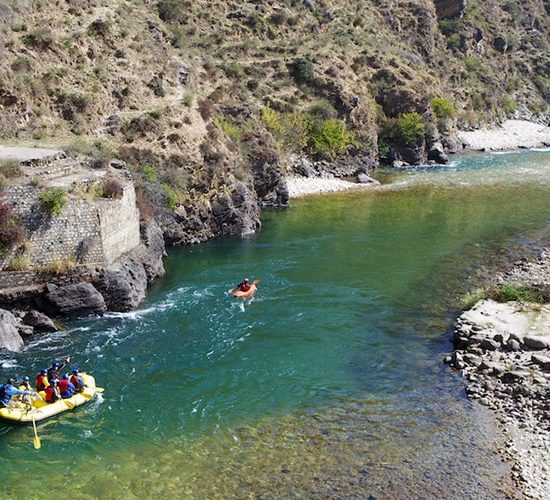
(8,390)
(55,370)
(244,286)
(77,381)
(66,388)
(41,380)
(52,392)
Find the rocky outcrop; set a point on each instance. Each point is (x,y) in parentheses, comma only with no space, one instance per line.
(122,285)
(235,215)
(449,8)
(10,339)
(39,322)
(79,299)
(437,154)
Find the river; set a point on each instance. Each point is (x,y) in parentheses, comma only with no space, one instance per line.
(329,383)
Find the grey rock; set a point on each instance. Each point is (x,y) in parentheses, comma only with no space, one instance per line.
(79,299)
(472,359)
(39,321)
(489,345)
(513,345)
(10,340)
(365,179)
(500,43)
(513,377)
(536,342)
(492,367)
(118,164)
(541,360)
(437,154)
(399,164)
(123,285)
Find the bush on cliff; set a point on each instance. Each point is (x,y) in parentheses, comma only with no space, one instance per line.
(442,108)
(53,201)
(112,188)
(330,137)
(12,232)
(409,128)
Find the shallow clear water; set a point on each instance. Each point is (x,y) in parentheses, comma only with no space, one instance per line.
(329,382)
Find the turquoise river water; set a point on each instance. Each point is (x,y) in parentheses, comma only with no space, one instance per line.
(328,384)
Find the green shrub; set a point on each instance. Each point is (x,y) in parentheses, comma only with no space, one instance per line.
(472,64)
(53,201)
(508,292)
(174,196)
(234,132)
(442,108)
(150,173)
(41,39)
(234,69)
(172,10)
(322,110)
(409,128)
(302,70)
(331,137)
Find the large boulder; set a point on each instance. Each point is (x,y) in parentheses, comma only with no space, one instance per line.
(437,154)
(10,340)
(123,285)
(39,321)
(78,299)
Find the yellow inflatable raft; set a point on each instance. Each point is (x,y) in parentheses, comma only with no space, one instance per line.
(19,412)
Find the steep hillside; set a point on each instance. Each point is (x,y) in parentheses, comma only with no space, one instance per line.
(211,102)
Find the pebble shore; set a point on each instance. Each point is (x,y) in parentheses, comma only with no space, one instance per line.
(513,134)
(503,352)
(304,186)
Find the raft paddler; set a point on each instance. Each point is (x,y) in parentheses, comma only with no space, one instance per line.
(41,380)
(66,388)
(8,390)
(55,370)
(52,392)
(77,380)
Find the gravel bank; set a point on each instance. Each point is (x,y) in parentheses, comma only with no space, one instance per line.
(304,186)
(513,134)
(503,352)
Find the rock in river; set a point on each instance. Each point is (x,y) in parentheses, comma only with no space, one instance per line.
(79,299)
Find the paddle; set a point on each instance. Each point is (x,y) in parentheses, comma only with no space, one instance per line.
(36,441)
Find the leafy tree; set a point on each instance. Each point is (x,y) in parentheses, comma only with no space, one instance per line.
(409,128)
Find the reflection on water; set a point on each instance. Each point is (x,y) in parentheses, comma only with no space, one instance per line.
(329,383)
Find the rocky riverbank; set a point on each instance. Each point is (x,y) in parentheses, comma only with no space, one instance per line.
(503,352)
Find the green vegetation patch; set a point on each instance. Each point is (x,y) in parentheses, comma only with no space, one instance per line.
(509,291)
(12,231)
(409,128)
(442,108)
(53,201)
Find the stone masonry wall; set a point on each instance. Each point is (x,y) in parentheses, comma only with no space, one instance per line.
(88,231)
(119,224)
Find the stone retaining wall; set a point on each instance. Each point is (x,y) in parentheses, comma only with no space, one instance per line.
(86,231)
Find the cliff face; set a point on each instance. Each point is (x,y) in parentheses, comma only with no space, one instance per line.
(208,100)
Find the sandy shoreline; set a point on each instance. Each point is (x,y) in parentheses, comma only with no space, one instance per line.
(513,134)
